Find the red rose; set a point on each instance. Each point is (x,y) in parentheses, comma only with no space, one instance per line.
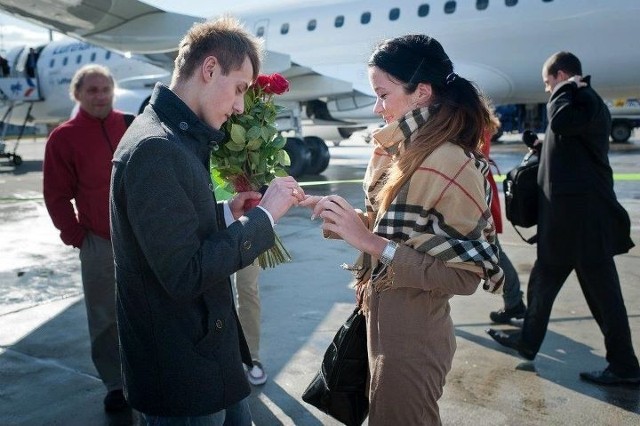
(263,81)
(278,84)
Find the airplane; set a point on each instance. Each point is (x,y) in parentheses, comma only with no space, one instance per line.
(41,94)
(38,92)
(322,46)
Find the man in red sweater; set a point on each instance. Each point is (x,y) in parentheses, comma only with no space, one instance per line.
(77,166)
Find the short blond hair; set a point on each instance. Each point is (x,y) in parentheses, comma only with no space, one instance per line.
(78,78)
(226,39)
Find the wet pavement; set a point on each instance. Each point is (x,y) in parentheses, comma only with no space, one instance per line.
(47,377)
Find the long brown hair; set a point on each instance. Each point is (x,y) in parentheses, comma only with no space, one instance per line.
(458,112)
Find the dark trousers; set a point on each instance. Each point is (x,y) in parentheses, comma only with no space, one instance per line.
(601,288)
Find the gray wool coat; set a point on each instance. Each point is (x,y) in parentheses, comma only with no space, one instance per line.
(181,344)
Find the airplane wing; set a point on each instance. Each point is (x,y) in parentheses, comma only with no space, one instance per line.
(120,25)
(152,35)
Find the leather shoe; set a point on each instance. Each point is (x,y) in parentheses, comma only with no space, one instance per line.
(607,377)
(115,401)
(513,341)
(505,315)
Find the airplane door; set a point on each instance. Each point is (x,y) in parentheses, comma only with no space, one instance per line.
(260,29)
(21,84)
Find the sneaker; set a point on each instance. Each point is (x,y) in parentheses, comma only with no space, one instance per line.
(256,374)
(504,316)
(115,401)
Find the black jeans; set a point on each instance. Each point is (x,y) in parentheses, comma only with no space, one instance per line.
(601,288)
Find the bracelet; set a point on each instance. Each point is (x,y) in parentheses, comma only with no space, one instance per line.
(389,251)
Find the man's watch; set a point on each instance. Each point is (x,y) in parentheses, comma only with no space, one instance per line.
(389,251)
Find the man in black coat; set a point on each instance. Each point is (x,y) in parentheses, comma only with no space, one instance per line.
(581,225)
(181,344)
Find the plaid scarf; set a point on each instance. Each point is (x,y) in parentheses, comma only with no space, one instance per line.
(442,210)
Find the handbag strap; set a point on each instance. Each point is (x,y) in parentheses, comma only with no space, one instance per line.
(530,240)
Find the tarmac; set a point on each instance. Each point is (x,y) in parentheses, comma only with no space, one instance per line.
(47,377)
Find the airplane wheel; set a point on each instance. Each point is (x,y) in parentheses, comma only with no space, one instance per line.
(17,160)
(299,154)
(319,155)
(620,132)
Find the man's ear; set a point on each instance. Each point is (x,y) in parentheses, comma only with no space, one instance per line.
(562,76)
(208,66)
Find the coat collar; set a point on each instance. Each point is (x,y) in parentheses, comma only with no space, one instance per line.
(181,118)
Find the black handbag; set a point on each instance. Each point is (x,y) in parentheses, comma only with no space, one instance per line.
(340,386)
(521,194)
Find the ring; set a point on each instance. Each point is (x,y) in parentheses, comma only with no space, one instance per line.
(294,192)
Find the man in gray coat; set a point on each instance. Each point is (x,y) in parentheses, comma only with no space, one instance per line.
(581,225)
(182,347)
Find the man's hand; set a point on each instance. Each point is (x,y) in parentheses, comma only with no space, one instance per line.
(243,202)
(282,194)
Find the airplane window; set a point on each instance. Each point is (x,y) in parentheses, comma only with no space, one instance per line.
(260,32)
(339,21)
(365,18)
(78,59)
(107,54)
(394,14)
(284,29)
(65,61)
(52,63)
(482,4)
(312,25)
(510,2)
(450,7)
(423,10)
(93,57)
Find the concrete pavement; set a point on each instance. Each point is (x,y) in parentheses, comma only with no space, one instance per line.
(47,377)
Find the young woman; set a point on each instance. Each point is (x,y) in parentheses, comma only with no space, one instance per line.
(427,233)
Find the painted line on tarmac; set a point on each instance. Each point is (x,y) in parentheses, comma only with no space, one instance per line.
(618,177)
(329,182)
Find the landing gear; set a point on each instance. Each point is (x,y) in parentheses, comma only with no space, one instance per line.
(299,154)
(621,131)
(308,157)
(319,155)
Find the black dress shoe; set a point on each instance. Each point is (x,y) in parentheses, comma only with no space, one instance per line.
(504,316)
(608,378)
(115,401)
(513,341)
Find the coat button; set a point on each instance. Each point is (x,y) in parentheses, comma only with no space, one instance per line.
(183,125)
(219,324)
(246,245)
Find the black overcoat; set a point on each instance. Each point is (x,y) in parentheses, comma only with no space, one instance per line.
(181,342)
(579,217)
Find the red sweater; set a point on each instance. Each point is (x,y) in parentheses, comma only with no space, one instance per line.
(495,198)
(77,166)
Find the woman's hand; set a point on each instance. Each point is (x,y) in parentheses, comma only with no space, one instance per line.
(310,201)
(342,219)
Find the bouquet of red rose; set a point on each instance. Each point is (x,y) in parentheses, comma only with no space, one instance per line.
(252,153)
